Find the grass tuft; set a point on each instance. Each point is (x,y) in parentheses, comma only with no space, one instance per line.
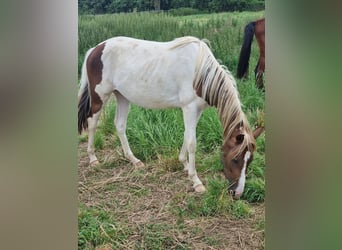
(216,202)
(97,227)
(240,209)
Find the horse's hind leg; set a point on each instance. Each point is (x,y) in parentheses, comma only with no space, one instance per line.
(92,124)
(259,70)
(259,80)
(122,109)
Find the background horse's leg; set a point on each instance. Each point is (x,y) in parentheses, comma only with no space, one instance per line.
(259,81)
(191,116)
(256,68)
(122,109)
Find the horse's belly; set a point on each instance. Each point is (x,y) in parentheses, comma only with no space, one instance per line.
(147,97)
(144,102)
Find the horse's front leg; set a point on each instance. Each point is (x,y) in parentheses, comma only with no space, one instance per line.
(182,155)
(191,116)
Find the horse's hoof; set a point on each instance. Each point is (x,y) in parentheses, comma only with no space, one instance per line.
(139,164)
(200,188)
(94,163)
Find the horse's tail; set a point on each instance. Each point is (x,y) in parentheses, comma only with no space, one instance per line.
(245,50)
(84,97)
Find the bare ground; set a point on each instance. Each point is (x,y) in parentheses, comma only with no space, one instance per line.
(152,195)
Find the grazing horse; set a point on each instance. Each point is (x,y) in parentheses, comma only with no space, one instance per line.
(256,28)
(182,73)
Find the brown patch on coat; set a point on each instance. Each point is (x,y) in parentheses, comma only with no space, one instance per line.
(94,71)
(260,37)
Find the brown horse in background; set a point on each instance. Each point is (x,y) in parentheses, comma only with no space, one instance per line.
(256,28)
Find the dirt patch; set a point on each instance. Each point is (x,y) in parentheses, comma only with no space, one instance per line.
(151,201)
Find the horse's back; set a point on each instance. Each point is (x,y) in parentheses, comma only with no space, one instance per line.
(148,73)
(260,27)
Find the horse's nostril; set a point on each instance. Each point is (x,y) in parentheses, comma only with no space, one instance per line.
(231,192)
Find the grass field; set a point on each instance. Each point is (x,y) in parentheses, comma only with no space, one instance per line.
(154,207)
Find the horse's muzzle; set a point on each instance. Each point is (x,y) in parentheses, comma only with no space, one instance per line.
(232,192)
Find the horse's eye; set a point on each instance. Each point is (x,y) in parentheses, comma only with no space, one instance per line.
(235,161)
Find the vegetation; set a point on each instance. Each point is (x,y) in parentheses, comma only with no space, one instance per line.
(199,6)
(152,208)
(223,30)
(97,227)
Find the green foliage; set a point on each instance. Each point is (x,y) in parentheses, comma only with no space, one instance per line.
(216,202)
(154,132)
(97,227)
(98,140)
(240,209)
(184,11)
(255,182)
(106,125)
(254,190)
(157,236)
(209,131)
(210,161)
(116,6)
(224,31)
(251,97)
(83,138)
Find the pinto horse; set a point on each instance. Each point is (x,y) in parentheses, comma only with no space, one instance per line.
(182,73)
(256,28)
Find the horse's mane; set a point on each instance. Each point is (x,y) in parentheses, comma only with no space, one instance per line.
(214,83)
(183,41)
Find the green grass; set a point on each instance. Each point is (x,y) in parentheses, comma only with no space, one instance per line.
(99,140)
(216,202)
(160,132)
(97,227)
(156,236)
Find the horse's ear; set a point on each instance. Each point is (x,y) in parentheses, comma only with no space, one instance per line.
(258,132)
(239,138)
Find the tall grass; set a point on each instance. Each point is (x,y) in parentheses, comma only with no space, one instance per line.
(224,30)
(160,132)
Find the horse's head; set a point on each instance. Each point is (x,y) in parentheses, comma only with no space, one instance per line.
(237,154)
